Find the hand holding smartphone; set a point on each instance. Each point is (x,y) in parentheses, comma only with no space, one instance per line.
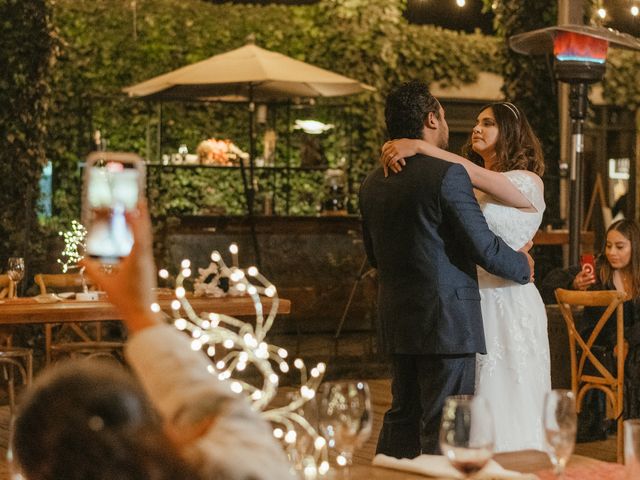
(113,185)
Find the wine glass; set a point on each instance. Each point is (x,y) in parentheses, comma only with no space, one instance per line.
(560,423)
(15,271)
(345,419)
(467,433)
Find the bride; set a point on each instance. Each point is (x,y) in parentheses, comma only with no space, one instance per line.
(514,375)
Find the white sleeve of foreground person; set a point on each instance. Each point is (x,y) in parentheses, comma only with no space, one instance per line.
(238,445)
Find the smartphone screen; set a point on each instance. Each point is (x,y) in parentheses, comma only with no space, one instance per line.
(587,262)
(111,188)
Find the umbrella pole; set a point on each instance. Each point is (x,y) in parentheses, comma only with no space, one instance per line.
(250,188)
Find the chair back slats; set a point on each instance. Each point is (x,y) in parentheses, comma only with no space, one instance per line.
(58,280)
(605,380)
(7,286)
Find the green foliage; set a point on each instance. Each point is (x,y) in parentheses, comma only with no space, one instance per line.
(621,85)
(26,57)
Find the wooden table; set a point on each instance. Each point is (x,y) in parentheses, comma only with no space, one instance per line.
(526,461)
(23,311)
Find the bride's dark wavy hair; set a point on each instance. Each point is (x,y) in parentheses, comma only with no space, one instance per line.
(517,147)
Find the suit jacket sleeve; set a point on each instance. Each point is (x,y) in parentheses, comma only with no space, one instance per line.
(486,249)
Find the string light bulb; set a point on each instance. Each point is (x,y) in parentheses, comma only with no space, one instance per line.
(635,10)
(602,13)
(461,3)
(74,246)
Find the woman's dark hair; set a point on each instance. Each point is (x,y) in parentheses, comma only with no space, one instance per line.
(630,230)
(406,109)
(90,419)
(517,147)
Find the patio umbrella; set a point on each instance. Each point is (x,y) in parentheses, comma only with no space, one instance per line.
(247,74)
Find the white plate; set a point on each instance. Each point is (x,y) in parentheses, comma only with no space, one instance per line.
(67,295)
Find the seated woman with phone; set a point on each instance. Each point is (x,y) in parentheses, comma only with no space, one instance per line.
(616,268)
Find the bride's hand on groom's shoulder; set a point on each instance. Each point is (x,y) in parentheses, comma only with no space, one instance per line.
(393,154)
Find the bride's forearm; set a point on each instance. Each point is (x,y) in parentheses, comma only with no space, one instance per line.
(488,181)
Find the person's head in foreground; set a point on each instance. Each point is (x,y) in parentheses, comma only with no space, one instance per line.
(503,140)
(89,420)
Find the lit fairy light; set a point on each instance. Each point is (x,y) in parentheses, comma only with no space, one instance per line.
(163,273)
(461,3)
(635,10)
(74,246)
(155,308)
(602,13)
(242,347)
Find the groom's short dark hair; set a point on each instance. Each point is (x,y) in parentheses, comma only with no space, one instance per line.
(406,109)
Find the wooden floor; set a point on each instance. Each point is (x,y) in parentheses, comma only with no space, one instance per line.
(381,397)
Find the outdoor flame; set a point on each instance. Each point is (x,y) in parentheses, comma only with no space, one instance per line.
(570,46)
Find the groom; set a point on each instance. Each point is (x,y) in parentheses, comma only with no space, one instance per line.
(424,232)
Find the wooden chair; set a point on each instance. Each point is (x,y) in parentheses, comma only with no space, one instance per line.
(13,359)
(609,382)
(89,341)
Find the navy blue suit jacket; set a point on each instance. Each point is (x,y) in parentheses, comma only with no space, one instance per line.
(424,232)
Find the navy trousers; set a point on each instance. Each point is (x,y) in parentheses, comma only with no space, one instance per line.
(420,385)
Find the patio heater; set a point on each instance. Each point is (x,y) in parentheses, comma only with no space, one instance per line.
(580,54)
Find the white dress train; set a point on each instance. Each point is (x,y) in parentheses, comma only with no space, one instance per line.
(514,375)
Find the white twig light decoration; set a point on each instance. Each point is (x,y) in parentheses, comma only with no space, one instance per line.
(234,345)
(74,246)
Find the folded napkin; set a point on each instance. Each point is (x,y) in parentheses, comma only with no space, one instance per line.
(439,466)
(47,298)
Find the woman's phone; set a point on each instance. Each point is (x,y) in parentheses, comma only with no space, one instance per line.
(113,184)
(587,262)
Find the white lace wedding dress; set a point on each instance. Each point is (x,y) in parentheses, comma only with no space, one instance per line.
(515,374)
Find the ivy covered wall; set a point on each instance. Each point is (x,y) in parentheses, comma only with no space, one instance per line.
(105,50)
(26,59)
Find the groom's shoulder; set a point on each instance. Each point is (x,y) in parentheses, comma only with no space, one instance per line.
(431,165)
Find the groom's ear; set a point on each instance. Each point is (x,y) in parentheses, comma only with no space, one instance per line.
(431,121)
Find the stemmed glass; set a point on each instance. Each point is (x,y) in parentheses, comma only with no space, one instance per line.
(560,423)
(467,433)
(345,419)
(15,271)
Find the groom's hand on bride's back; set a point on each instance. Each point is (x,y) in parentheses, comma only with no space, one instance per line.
(525,251)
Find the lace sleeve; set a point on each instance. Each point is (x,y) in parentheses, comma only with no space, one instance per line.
(528,186)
